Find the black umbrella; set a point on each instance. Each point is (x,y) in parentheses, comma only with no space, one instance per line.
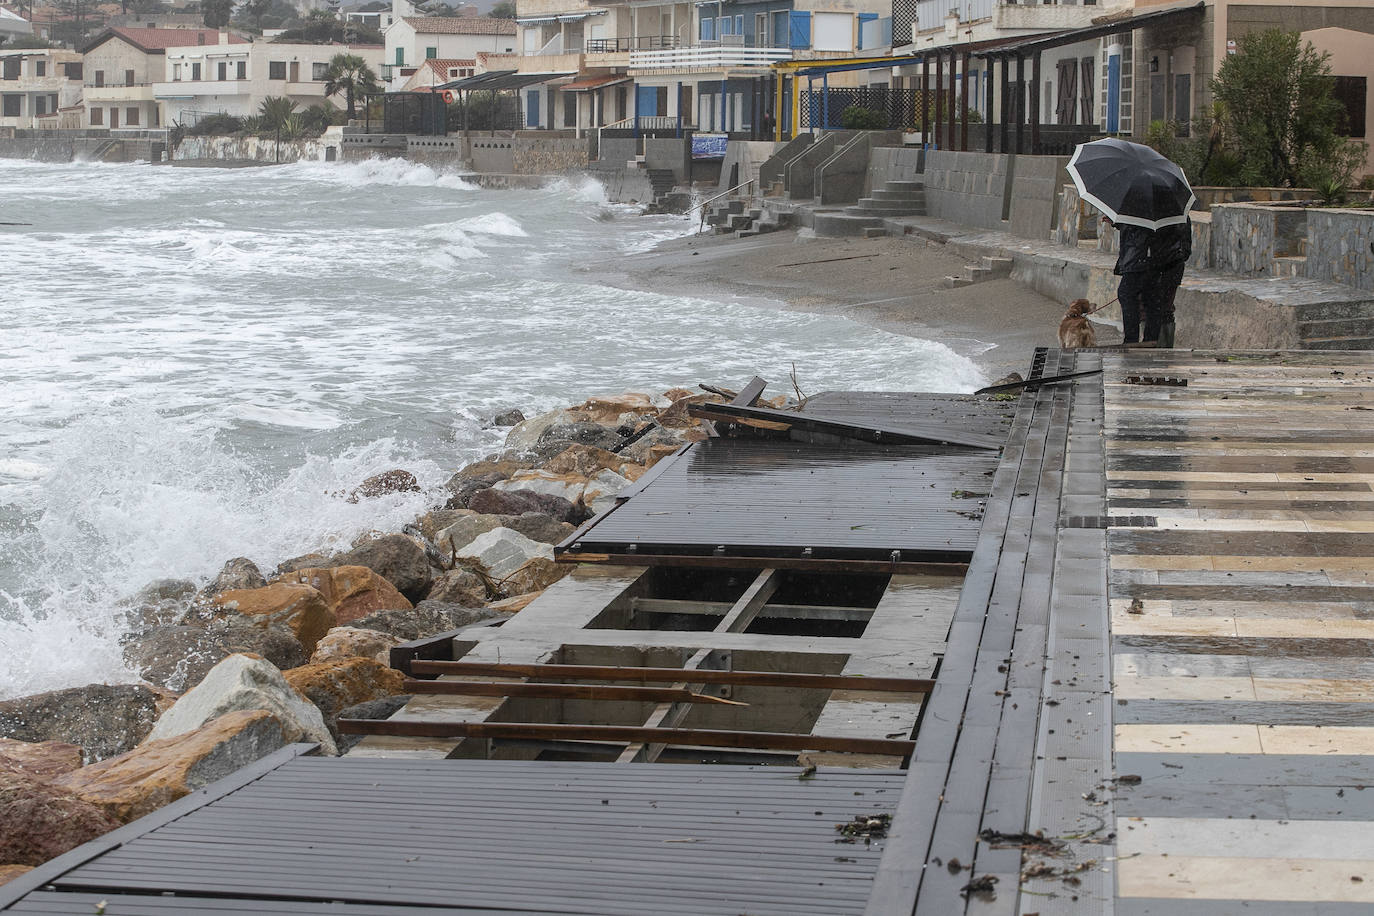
(1131,183)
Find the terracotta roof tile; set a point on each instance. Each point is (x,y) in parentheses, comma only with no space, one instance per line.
(453,25)
(162,39)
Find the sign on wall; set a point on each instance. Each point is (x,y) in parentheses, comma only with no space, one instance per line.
(709,146)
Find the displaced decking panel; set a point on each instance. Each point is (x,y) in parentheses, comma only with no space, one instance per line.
(539,837)
(769,498)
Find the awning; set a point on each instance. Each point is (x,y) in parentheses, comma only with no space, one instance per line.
(561,17)
(594,82)
(501,79)
(1035,45)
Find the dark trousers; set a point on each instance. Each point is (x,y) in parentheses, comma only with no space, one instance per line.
(1132,294)
(1159,299)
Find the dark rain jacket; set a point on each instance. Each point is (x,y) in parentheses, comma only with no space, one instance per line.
(1172,244)
(1133,249)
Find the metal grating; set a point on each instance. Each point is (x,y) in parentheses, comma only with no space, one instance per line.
(439,836)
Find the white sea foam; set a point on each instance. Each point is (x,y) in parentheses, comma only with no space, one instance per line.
(196,370)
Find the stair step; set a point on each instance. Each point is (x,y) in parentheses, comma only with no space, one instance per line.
(746,233)
(1336,327)
(998,266)
(899,185)
(976,274)
(1322,311)
(912,195)
(1338,343)
(1287,266)
(740,221)
(755,212)
(874,232)
(956,282)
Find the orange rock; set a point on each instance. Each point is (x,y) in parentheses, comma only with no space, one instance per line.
(352,642)
(43,759)
(9,872)
(299,608)
(157,773)
(514,605)
(352,592)
(334,685)
(537,574)
(631,471)
(583,460)
(609,409)
(658,452)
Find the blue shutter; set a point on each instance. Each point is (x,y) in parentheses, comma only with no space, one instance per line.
(532,108)
(800,30)
(708,29)
(646,101)
(863,18)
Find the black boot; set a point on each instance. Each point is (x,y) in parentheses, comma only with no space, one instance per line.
(1166,334)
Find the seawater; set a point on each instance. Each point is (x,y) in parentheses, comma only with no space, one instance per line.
(199,364)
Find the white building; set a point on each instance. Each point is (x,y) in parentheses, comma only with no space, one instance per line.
(411,40)
(13,25)
(122,64)
(37,83)
(235,78)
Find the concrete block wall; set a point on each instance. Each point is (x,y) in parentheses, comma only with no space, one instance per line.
(493,154)
(967,188)
(672,153)
(624,186)
(1247,237)
(801,169)
(1340,247)
(842,178)
(616,151)
(1035,186)
(539,156)
(894,163)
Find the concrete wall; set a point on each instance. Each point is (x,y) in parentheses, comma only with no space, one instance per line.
(894,163)
(492,154)
(617,151)
(967,188)
(774,167)
(80,146)
(1035,185)
(623,185)
(672,153)
(1340,247)
(745,158)
(250,149)
(800,172)
(368,146)
(1247,237)
(841,179)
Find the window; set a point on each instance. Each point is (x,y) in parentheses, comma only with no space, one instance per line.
(40,105)
(739,25)
(223,70)
(241,70)
(431,53)
(708,29)
(40,68)
(195,71)
(569,109)
(176,73)
(727,26)
(131,117)
(1353,93)
(276,70)
(99,78)
(114,118)
(128,77)
(97,117)
(11,70)
(400,56)
(73,71)
(319,71)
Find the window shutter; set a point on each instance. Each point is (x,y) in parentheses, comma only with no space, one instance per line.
(801,29)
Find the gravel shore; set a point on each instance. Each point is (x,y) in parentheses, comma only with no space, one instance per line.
(889,283)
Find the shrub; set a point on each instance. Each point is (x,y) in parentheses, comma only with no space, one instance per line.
(215,125)
(856,117)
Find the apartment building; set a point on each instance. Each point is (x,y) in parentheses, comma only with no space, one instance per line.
(37,83)
(121,65)
(411,40)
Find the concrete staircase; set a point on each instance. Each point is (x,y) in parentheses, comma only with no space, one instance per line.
(865,218)
(1337,325)
(731,217)
(987,268)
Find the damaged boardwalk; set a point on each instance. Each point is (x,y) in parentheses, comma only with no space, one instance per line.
(1097,647)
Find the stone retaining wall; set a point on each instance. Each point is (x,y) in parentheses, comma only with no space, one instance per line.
(967,188)
(894,163)
(538,156)
(252,149)
(1340,247)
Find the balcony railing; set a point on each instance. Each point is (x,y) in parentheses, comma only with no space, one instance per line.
(636,43)
(707,58)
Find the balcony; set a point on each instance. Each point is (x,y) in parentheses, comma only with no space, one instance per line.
(134,92)
(636,43)
(187,88)
(707,58)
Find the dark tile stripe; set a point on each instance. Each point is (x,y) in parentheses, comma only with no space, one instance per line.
(1241,712)
(1172,542)
(1274,593)
(1351,486)
(1296,649)
(1165,906)
(1242,464)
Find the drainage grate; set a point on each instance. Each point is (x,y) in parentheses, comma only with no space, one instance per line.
(1108,521)
(1168,380)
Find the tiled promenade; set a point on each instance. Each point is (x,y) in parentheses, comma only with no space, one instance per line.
(1242,658)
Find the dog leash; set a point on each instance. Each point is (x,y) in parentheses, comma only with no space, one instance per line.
(1099,308)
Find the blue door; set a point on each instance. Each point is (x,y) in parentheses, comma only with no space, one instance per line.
(532,108)
(646,101)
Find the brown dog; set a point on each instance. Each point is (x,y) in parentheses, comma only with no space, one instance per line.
(1075,330)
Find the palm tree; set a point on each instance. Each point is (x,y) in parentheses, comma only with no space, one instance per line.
(350,74)
(276,111)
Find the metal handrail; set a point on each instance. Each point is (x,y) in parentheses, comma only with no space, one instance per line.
(705,203)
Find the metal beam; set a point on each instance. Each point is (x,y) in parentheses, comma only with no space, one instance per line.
(613,693)
(769,612)
(910,434)
(699,737)
(671,675)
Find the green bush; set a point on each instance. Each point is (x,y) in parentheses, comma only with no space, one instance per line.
(215,125)
(856,117)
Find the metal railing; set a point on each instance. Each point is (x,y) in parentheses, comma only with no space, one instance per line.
(710,200)
(634,43)
(708,58)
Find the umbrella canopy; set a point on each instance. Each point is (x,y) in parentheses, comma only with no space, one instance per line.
(1131,183)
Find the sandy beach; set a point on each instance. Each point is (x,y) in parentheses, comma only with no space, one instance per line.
(893,284)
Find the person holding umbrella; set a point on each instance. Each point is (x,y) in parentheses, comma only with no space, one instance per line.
(1141,192)
(1169,253)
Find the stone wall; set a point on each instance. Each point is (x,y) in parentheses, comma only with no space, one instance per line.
(1247,237)
(250,149)
(538,156)
(1340,247)
(1035,185)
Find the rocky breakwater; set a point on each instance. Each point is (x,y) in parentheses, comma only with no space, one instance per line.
(225,672)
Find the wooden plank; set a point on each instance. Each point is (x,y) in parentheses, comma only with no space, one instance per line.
(672,675)
(694,736)
(770,611)
(565,692)
(750,393)
(813,423)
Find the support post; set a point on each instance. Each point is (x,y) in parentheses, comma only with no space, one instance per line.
(939,94)
(925,100)
(963,103)
(825,100)
(1020,103)
(1005,116)
(1035,103)
(949,103)
(989,70)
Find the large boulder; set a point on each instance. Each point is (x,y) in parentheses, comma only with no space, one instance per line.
(583,460)
(396,558)
(40,821)
(465,490)
(535,575)
(427,619)
(350,591)
(461,586)
(238,574)
(527,432)
(159,602)
(397,481)
(537,526)
(102,720)
(601,491)
(299,608)
(508,417)
(333,685)
(40,759)
(383,708)
(353,642)
(464,531)
(178,657)
(502,551)
(313,560)
(546,483)
(242,682)
(159,772)
(431,523)
(518,502)
(583,432)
